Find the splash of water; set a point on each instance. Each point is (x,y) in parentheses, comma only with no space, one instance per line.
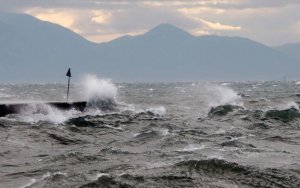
(222,95)
(158,111)
(287,105)
(100,93)
(34,113)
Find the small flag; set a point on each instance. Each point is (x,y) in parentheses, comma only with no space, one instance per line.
(69,73)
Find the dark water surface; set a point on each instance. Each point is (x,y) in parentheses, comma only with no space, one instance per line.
(158,135)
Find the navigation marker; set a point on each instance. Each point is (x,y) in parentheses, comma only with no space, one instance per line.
(68,75)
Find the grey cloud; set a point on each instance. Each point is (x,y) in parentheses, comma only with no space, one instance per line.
(258,4)
(272,27)
(17,5)
(144,18)
(138,18)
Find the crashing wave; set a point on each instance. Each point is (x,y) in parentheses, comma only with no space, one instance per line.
(221,95)
(100,93)
(34,113)
(223,110)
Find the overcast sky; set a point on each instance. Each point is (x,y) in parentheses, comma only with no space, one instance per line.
(272,22)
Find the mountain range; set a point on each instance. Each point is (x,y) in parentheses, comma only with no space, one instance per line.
(35,51)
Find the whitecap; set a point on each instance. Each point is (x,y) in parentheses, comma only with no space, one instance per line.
(34,113)
(225,84)
(193,147)
(28,185)
(34,180)
(98,175)
(158,111)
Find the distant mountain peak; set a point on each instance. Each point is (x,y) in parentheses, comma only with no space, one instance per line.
(165,53)
(166,30)
(165,27)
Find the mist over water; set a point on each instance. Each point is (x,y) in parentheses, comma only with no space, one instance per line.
(159,135)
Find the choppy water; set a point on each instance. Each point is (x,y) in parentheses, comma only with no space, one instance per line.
(158,135)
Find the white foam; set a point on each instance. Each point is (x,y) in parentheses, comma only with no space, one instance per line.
(34,113)
(225,84)
(135,135)
(60,173)
(93,112)
(158,164)
(158,111)
(111,127)
(165,132)
(5,95)
(215,156)
(220,131)
(193,147)
(136,109)
(98,175)
(33,180)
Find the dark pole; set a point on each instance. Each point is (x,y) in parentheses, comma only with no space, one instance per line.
(68,89)
(68,75)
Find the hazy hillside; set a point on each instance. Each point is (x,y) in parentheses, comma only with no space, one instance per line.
(31,49)
(167,53)
(35,51)
(293,50)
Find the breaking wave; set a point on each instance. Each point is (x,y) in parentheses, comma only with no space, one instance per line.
(223,110)
(34,113)
(99,93)
(101,98)
(287,105)
(157,111)
(221,95)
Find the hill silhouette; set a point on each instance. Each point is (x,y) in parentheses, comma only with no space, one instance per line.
(32,50)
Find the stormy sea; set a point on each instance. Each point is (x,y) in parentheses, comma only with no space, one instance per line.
(201,134)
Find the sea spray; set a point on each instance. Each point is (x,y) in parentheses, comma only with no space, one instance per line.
(222,95)
(287,105)
(100,93)
(34,113)
(157,111)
